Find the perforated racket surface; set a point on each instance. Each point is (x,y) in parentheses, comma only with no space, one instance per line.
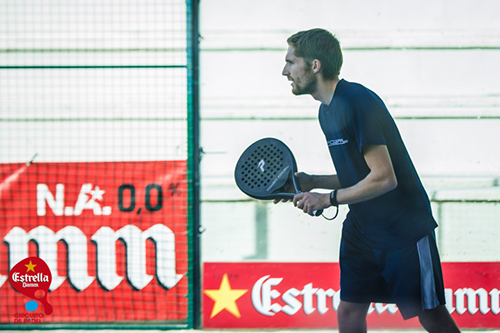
(266,171)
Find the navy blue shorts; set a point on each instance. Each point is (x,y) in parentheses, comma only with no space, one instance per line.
(410,277)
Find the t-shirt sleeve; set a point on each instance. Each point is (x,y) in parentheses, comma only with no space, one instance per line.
(366,125)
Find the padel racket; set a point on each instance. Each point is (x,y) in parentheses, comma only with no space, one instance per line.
(266,171)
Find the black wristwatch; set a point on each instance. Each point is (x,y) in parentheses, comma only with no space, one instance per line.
(333,198)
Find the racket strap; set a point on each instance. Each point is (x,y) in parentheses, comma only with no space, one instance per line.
(332,218)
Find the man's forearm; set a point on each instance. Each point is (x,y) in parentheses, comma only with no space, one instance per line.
(327,182)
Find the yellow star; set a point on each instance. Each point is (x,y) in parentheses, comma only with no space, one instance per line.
(225,298)
(31,267)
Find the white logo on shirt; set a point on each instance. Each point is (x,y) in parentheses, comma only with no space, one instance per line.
(337,142)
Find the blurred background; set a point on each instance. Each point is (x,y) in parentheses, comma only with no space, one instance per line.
(434,63)
(88,87)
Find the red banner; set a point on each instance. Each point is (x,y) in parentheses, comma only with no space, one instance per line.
(114,235)
(306,295)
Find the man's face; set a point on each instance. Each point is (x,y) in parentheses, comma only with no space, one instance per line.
(297,71)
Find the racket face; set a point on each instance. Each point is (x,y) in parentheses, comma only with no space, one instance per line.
(265,169)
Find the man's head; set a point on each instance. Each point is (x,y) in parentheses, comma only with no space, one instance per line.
(318,44)
(311,52)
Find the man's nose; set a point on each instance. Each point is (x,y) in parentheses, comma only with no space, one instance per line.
(284,72)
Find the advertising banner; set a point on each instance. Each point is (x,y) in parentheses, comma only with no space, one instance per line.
(307,295)
(111,238)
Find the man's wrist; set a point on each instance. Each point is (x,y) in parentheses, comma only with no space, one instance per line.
(333,198)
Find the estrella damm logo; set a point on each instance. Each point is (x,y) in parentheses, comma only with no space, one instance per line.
(32,277)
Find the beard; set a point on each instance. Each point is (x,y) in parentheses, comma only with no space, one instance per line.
(307,84)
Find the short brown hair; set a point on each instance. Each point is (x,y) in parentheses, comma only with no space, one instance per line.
(318,44)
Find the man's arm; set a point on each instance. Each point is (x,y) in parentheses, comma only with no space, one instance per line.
(380,180)
(311,182)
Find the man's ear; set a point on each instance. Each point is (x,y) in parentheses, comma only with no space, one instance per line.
(316,66)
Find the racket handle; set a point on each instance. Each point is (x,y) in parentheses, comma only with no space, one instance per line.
(318,212)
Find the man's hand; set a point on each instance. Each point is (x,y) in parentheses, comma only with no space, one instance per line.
(311,201)
(306,181)
(306,184)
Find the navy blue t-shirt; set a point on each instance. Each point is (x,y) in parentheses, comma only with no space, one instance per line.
(356,117)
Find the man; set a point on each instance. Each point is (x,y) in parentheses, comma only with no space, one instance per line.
(388,251)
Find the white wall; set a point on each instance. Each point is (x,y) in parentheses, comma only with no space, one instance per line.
(78,113)
(435,64)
